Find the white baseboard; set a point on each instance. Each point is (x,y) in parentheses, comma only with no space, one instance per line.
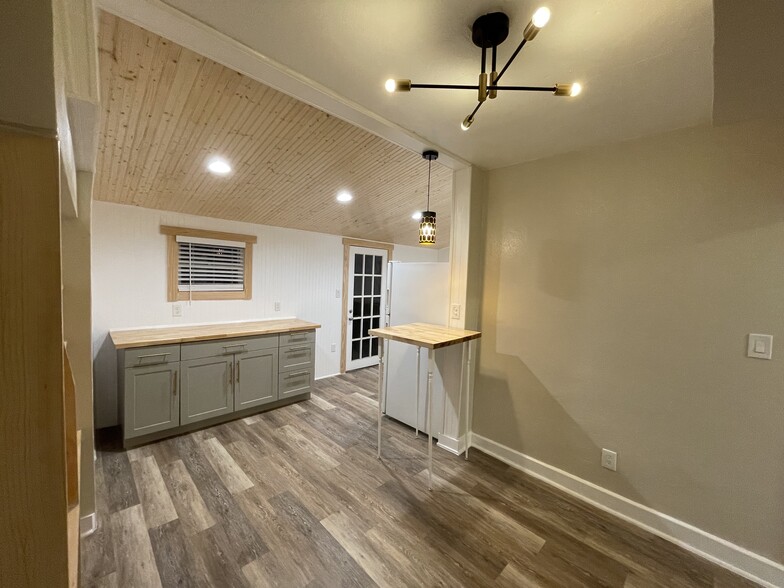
(88,525)
(451,444)
(329,376)
(720,551)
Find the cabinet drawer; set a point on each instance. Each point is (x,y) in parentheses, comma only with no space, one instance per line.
(296,356)
(295,382)
(140,356)
(298,337)
(216,348)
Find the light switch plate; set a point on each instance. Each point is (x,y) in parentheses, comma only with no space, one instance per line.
(760,346)
(277,307)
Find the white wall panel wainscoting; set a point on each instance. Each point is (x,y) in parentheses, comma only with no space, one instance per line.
(720,551)
(303,271)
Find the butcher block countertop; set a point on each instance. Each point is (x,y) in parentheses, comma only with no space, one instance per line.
(185,334)
(425,335)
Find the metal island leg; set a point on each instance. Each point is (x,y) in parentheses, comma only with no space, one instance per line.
(380,389)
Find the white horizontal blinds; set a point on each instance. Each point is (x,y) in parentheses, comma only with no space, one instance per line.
(210,265)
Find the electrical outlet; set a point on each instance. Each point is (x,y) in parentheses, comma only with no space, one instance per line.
(337,293)
(176,309)
(277,307)
(609,460)
(455,311)
(334,348)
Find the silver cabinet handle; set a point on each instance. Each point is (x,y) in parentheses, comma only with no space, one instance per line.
(290,349)
(296,374)
(238,372)
(231,373)
(175,380)
(163,357)
(227,347)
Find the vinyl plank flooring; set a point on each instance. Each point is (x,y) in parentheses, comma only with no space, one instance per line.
(121,493)
(340,566)
(224,465)
(155,500)
(135,559)
(296,497)
(178,563)
(245,540)
(188,503)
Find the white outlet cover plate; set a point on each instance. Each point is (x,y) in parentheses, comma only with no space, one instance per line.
(760,346)
(609,459)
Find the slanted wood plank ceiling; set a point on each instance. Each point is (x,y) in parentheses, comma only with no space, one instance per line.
(168,110)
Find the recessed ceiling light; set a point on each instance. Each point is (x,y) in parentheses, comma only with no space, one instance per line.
(344,196)
(417,215)
(219,166)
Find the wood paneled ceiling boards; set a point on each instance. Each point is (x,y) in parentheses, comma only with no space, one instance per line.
(169,111)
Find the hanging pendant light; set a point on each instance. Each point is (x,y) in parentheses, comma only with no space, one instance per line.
(427,226)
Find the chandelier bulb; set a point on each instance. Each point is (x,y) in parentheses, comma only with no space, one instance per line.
(568,89)
(392,85)
(541,17)
(467,122)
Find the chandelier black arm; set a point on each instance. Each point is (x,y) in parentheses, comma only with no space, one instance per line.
(511,59)
(466,87)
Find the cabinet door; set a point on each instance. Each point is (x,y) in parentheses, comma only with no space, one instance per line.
(256,378)
(207,388)
(151,401)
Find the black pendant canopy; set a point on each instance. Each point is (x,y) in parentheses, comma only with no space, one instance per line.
(427,226)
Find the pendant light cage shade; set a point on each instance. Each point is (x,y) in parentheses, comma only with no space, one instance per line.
(427,228)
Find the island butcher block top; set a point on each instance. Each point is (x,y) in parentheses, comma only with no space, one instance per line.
(164,335)
(425,335)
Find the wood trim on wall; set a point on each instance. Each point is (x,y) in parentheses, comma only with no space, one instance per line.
(347,244)
(204,234)
(173,293)
(33,516)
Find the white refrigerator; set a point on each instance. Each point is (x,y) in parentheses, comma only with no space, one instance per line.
(417,292)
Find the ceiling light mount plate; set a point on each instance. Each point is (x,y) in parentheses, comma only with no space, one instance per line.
(430,155)
(490,30)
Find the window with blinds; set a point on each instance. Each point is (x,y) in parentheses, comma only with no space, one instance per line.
(210,265)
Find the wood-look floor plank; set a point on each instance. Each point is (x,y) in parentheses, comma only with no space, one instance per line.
(178,563)
(155,499)
(347,533)
(216,551)
(246,543)
(340,566)
(121,493)
(227,469)
(316,508)
(187,501)
(135,559)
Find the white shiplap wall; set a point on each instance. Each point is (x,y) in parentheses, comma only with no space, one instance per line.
(301,270)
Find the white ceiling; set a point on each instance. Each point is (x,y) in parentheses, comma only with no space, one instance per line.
(646,66)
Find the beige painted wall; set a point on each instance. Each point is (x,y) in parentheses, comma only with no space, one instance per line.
(620,285)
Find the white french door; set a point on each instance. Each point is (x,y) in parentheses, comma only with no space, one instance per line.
(366,305)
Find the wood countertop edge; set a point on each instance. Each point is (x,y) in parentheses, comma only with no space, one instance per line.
(162,339)
(419,343)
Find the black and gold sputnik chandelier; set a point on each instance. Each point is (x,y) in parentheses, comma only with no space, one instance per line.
(489,31)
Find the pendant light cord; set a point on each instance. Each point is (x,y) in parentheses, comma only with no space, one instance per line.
(429,164)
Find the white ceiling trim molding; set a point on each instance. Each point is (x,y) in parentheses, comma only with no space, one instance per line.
(170,23)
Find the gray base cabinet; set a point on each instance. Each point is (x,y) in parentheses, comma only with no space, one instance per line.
(170,386)
(207,389)
(257,379)
(151,400)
